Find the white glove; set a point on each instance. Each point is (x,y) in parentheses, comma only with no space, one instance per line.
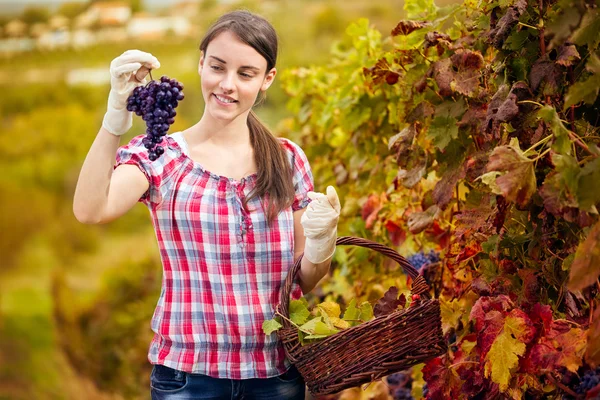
(320,225)
(127,72)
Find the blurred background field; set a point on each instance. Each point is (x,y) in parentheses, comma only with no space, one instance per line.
(76,300)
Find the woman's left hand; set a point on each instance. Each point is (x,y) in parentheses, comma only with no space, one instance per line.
(320,225)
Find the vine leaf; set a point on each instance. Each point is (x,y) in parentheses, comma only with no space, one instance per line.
(389,302)
(444,190)
(352,312)
(562,142)
(588,193)
(518,176)
(586,265)
(419,221)
(560,187)
(467,64)
(567,55)
(271,325)
(299,311)
(545,70)
(442,130)
(592,355)
(406,27)
(503,358)
(382,72)
(500,33)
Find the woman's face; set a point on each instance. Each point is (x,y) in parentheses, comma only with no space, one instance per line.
(232,75)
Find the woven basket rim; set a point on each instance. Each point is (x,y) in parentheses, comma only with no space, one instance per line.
(418,284)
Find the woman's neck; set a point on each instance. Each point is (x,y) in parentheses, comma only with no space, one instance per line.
(230,134)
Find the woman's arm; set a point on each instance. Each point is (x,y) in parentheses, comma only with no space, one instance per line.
(101,194)
(310,274)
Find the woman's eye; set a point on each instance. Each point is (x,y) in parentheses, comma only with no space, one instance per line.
(215,67)
(246,75)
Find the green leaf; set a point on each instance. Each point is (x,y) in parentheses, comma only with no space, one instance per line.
(352,312)
(489,178)
(366,311)
(588,190)
(271,325)
(419,9)
(586,91)
(587,32)
(562,142)
(299,311)
(315,336)
(442,130)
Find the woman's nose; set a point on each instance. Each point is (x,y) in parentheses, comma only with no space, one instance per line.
(227,83)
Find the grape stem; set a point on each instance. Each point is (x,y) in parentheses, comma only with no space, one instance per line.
(291,322)
(560,385)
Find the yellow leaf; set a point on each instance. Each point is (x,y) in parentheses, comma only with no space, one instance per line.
(332,309)
(451,313)
(340,323)
(572,345)
(503,357)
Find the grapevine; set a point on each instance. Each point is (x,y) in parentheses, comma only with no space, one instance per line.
(155,103)
(472,130)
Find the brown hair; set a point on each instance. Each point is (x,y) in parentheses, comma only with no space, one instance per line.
(274,182)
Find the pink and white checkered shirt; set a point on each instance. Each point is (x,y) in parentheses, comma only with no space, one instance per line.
(223,267)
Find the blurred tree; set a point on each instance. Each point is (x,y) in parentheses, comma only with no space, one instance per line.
(71,9)
(329,21)
(136,5)
(31,15)
(208,5)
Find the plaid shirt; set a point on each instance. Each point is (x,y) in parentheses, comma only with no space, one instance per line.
(223,268)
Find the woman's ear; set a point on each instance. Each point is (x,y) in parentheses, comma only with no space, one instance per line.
(200,64)
(268,79)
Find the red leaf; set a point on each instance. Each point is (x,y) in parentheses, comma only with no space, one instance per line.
(469,251)
(441,381)
(371,209)
(396,234)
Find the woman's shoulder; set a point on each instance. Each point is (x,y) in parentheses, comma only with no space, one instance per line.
(291,147)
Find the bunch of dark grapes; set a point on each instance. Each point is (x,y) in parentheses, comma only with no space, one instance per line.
(155,103)
(400,385)
(590,380)
(402,394)
(420,259)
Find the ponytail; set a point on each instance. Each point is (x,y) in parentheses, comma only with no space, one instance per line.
(274,183)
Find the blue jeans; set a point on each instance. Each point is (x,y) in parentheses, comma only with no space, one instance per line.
(170,384)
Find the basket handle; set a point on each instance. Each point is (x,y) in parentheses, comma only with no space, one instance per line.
(419,285)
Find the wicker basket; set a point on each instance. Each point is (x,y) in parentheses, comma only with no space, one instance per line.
(371,350)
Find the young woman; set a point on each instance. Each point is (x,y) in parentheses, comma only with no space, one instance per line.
(232,207)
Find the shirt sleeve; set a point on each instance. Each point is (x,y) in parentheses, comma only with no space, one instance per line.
(302,175)
(136,154)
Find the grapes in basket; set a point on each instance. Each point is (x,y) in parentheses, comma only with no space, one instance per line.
(326,319)
(155,103)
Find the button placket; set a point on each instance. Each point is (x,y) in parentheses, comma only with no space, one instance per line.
(245,220)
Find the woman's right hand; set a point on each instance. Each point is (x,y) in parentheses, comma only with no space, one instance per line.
(127,72)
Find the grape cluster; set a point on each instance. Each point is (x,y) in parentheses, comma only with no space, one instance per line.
(590,380)
(421,259)
(400,385)
(155,103)
(402,394)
